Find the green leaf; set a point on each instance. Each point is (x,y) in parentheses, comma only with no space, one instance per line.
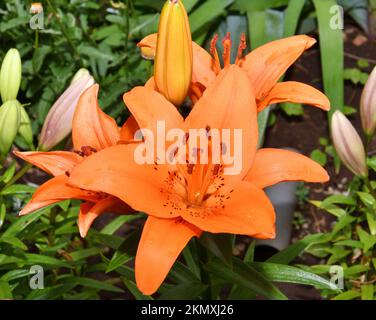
(338,199)
(115,224)
(331,50)
(245,276)
(84,253)
(366,198)
(9,173)
(319,156)
(184,291)
(5,291)
(131,286)
(118,259)
(282,273)
(291,252)
(247,5)
(189,254)
(367,291)
(348,111)
(39,56)
(3,212)
(371,220)
(292,109)
(348,295)
(22,223)
(92,283)
(50,293)
(292,15)
(15,242)
(205,14)
(34,258)
(220,245)
(368,240)
(17,189)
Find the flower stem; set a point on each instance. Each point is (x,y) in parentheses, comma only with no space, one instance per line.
(75,53)
(18,175)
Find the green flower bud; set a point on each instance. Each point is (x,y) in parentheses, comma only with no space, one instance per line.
(10,75)
(25,130)
(10,117)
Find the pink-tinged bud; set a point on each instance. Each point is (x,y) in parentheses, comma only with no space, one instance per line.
(348,144)
(58,123)
(368,105)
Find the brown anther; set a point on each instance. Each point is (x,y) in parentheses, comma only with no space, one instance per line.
(241,48)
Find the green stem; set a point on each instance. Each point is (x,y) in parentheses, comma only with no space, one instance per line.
(75,53)
(18,175)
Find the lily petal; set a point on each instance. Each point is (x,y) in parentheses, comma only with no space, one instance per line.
(241,209)
(91,126)
(228,103)
(266,64)
(297,92)
(141,186)
(161,242)
(272,166)
(56,190)
(129,129)
(54,162)
(90,211)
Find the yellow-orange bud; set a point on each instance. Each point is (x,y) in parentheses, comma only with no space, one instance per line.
(174,58)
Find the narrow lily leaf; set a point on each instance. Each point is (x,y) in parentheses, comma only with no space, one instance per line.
(17,189)
(367,292)
(180,273)
(22,223)
(184,291)
(3,211)
(189,254)
(117,260)
(33,258)
(331,48)
(92,283)
(131,286)
(5,291)
(189,4)
(50,293)
(348,295)
(247,5)
(371,219)
(220,245)
(83,254)
(292,15)
(282,273)
(9,173)
(115,224)
(245,276)
(290,253)
(13,241)
(204,15)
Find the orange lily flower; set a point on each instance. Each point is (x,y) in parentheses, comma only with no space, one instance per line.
(264,66)
(183,200)
(93,130)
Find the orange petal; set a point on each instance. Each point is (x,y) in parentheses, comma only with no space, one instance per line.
(91,126)
(90,211)
(129,129)
(272,166)
(266,64)
(54,162)
(161,242)
(150,84)
(142,186)
(228,103)
(56,190)
(148,107)
(202,61)
(291,91)
(239,209)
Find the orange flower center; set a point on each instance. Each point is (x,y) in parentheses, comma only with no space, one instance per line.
(226,56)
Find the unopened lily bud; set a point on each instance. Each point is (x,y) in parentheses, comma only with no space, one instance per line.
(368,105)
(25,130)
(174,58)
(58,123)
(348,144)
(10,75)
(9,124)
